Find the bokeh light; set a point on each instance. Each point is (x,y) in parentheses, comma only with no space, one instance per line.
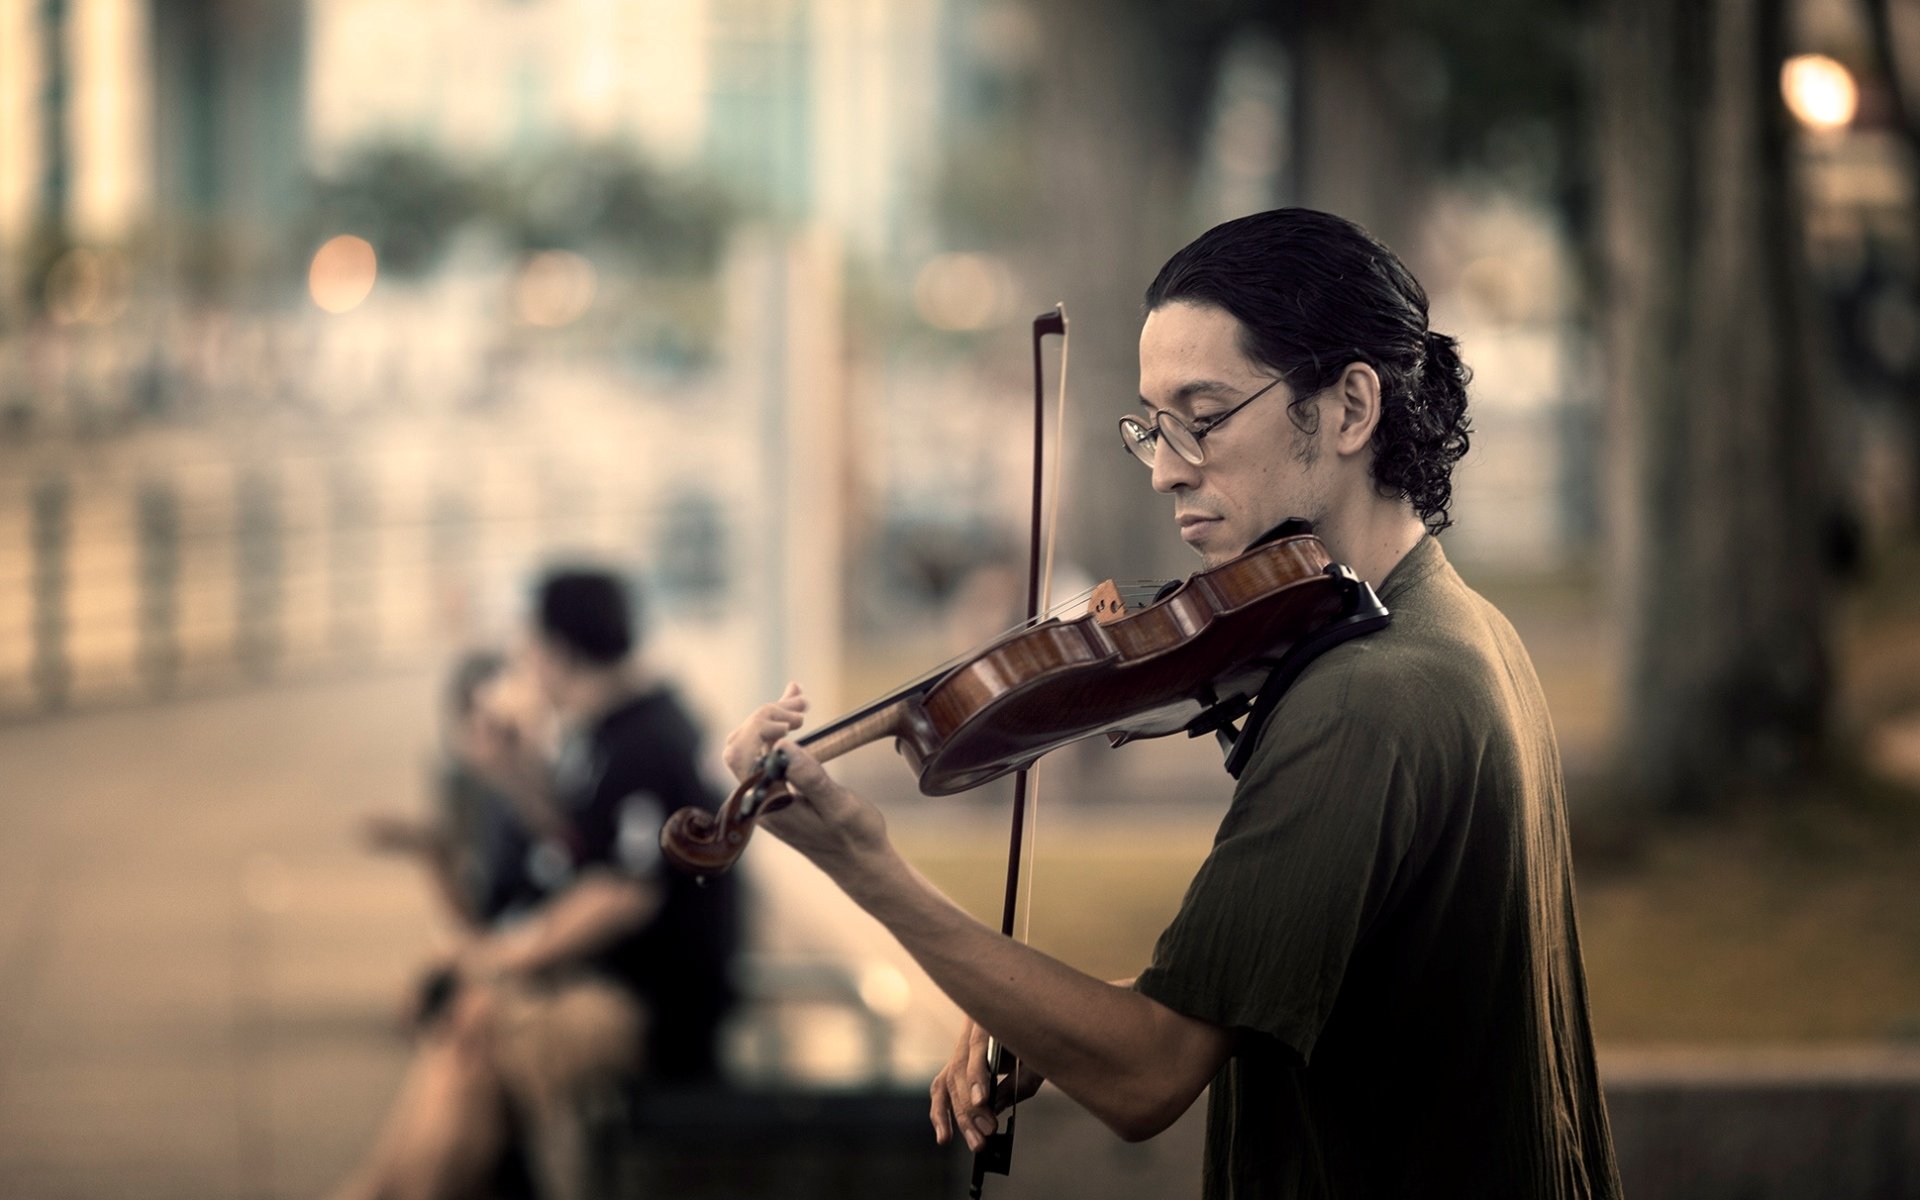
(342,274)
(87,287)
(554,288)
(1819,91)
(885,990)
(960,292)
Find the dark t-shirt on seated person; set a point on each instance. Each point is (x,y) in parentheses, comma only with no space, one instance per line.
(618,783)
(1386,920)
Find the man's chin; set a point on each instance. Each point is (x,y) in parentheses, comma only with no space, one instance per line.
(1211,557)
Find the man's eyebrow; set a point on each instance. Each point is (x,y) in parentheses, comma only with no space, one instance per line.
(1187,391)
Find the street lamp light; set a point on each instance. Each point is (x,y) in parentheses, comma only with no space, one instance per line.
(1819,91)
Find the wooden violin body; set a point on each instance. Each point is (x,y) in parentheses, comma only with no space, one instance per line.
(1143,674)
(1126,675)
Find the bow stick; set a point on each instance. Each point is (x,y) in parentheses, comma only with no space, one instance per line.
(996,1155)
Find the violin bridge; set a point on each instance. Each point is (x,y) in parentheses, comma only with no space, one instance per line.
(1105,605)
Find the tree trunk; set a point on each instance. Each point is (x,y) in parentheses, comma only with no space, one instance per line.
(1715,440)
(1109,172)
(1357,156)
(1118,143)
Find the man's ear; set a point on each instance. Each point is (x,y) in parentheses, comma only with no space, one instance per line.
(1357,408)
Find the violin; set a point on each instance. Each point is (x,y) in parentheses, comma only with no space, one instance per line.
(1192,661)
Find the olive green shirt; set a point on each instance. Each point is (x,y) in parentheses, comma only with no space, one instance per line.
(1386,921)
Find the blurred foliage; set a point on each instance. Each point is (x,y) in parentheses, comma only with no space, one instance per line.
(411,201)
(1494,86)
(406,200)
(604,194)
(1509,82)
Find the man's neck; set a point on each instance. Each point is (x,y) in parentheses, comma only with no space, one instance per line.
(1374,538)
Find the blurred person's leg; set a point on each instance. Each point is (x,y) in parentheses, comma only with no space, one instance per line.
(558,1046)
(447,1131)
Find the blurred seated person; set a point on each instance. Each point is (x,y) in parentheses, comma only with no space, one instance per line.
(475,844)
(618,968)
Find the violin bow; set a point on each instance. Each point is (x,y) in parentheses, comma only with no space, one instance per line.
(996,1155)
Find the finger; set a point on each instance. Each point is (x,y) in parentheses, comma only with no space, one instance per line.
(770,723)
(748,742)
(974,1123)
(938,1110)
(979,1074)
(766,731)
(805,773)
(981,1086)
(952,1093)
(967,1094)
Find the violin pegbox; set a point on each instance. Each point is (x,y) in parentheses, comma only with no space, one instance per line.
(766,789)
(1105,605)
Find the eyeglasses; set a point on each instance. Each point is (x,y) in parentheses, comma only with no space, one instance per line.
(1143,440)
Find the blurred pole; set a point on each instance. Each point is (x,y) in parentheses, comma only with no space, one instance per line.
(1717,428)
(52,534)
(1355,152)
(786,326)
(158,522)
(352,577)
(228,129)
(1112,181)
(56,172)
(257,579)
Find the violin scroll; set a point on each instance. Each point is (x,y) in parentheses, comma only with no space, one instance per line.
(701,843)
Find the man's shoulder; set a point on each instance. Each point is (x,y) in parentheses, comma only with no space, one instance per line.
(649,721)
(1442,665)
(1413,661)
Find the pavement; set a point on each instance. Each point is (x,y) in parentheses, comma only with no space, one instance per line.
(201,970)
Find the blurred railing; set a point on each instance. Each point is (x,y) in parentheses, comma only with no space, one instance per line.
(141,569)
(192,497)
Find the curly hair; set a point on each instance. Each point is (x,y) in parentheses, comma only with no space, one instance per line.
(1313,293)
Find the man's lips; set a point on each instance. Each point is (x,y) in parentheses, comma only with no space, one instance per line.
(1194,526)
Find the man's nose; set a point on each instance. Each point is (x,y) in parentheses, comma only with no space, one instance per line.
(1170,471)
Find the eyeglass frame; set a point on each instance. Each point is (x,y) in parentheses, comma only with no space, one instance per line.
(1152,435)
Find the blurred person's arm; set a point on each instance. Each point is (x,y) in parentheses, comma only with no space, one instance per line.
(432,847)
(599,909)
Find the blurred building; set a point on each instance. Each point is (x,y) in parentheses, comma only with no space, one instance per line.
(118,113)
(206,476)
(822,110)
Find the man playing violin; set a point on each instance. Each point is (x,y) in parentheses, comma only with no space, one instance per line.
(1377,968)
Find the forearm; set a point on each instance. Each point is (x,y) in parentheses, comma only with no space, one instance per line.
(1104,1045)
(442,867)
(587,918)
(1129,1060)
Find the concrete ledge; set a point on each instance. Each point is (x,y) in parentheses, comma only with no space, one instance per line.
(1766,1123)
(732,1144)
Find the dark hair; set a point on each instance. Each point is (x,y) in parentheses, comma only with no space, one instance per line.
(588,612)
(1314,292)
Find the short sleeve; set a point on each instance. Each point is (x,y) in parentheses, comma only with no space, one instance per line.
(1320,822)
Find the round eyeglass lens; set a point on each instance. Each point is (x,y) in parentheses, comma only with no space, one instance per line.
(1174,432)
(1139,439)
